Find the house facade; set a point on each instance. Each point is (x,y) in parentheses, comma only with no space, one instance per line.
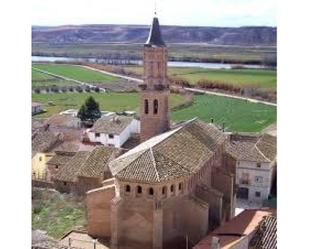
(113,130)
(254,159)
(36,108)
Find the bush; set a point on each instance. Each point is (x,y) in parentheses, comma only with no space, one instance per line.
(79,89)
(179,81)
(97,89)
(71,89)
(37,90)
(87,89)
(64,89)
(47,89)
(55,89)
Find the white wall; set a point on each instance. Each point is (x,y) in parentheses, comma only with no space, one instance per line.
(118,140)
(263,186)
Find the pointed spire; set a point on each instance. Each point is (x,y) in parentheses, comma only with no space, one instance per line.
(155,37)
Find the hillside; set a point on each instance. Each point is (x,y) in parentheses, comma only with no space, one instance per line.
(260,36)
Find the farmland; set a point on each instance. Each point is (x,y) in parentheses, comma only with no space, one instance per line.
(259,78)
(108,101)
(76,73)
(238,115)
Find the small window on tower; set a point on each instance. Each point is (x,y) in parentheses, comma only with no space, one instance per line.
(146,108)
(155,106)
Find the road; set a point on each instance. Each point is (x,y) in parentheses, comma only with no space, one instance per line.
(188,89)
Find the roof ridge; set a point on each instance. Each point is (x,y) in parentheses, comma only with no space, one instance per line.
(255,145)
(154,164)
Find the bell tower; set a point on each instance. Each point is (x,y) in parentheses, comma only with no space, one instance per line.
(154,94)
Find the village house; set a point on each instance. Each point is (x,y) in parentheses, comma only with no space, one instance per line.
(251,229)
(83,171)
(254,158)
(113,130)
(173,185)
(60,120)
(43,143)
(37,108)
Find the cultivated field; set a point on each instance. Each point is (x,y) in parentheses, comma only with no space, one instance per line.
(238,115)
(108,101)
(259,78)
(77,73)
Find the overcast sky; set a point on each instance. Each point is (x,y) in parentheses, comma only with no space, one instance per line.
(171,12)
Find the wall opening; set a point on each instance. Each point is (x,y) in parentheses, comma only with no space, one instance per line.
(150,191)
(155,106)
(146,107)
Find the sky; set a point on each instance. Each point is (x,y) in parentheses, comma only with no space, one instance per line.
(221,13)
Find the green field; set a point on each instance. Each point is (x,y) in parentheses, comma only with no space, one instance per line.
(56,213)
(37,76)
(76,73)
(108,101)
(238,115)
(259,78)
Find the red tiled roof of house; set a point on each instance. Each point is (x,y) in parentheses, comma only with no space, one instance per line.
(236,229)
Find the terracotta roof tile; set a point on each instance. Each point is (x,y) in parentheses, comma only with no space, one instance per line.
(173,154)
(111,124)
(44,141)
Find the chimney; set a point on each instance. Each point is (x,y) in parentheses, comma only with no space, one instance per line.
(215,243)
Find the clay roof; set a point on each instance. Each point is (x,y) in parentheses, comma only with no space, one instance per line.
(173,154)
(35,104)
(71,169)
(61,158)
(62,120)
(44,141)
(232,232)
(266,235)
(87,163)
(262,150)
(111,125)
(155,38)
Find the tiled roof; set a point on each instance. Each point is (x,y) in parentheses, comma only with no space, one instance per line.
(155,38)
(62,120)
(61,158)
(111,124)
(71,169)
(266,235)
(35,104)
(176,153)
(87,163)
(233,231)
(98,160)
(262,150)
(44,141)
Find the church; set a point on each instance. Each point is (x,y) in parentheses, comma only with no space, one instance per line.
(173,188)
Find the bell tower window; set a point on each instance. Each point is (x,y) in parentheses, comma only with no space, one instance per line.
(155,106)
(146,107)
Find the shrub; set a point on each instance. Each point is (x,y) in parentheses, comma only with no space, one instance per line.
(47,89)
(55,89)
(97,89)
(37,90)
(64,89)
(79,89)
(87,89)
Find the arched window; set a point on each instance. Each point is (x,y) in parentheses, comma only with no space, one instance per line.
(139,189)
(180,186)
(172,188)
(155,106)
(164,190)
(150,191)
(146,107)
(128,188)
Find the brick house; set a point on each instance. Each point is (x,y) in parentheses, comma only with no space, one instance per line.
(254,161)
(85,170)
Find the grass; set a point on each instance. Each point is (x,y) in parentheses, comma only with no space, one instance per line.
(37,76)
(238,115)
(77,73)
(266,79)
(59,83)
(108,101)
(56,213)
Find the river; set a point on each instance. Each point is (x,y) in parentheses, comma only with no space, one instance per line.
(137,62)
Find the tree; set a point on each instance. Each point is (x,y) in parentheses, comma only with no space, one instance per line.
(89,111)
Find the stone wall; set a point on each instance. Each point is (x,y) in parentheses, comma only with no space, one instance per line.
(98,203)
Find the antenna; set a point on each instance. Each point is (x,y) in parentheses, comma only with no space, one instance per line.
(155,7)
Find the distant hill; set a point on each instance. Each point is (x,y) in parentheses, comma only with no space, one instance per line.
(260,36)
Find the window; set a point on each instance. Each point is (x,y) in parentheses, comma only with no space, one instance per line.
(139,189)
(150,191)
(40,158)
(259,179)
(172,188)
(128,188)
(164,190)
(257,194)
(258,165)
(64,183)
(146,107)
(110,135)
(56,166)
(155,106)
(97,134)
(180,186)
